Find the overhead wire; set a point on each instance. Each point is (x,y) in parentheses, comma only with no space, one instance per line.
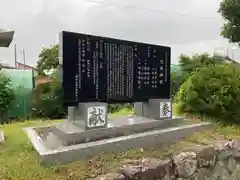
(186,15)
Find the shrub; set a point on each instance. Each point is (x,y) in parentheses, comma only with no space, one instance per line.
(212,91)
(189,65)
(48,99)
(175,83)
(6,96)
(117,107)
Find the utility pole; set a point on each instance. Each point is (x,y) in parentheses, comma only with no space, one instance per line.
(15,55)
(24,58)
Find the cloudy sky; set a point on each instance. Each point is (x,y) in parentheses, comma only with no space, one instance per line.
(188,26)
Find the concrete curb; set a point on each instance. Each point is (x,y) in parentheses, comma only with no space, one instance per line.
(72,153)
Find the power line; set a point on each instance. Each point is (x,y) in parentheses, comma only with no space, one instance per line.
(190,16)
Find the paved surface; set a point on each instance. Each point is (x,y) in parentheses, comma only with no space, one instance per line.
(128,120)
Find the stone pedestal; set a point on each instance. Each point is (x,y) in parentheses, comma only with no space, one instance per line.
(92,115)
(154,108)
(71,113)
(141,109)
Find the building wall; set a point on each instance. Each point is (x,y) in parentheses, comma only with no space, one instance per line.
(22,66)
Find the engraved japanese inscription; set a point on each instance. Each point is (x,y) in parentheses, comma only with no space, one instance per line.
(165,109)
(110,70)
(96,116)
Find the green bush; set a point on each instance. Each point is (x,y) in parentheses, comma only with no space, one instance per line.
(117,107)
(6,96)
(175,83)
(48,99)
(212,91)
(188,65)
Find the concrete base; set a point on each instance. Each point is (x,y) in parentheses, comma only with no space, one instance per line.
(152,109)
(82,115)
(2,138)
(67,154)
(70,133)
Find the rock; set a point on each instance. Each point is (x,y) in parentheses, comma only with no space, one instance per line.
(236,174)
(129,171)
(220,173)
(219,162)
(231,164)
(236,155)
(110,176)
(151,169)
(206,157)
(201,174)
(166,170)
(224,155)
(186,164)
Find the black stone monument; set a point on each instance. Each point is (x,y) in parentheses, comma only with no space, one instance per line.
(100,70)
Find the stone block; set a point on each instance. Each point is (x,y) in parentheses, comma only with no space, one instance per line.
(91,115)
(155,108)
(70,133)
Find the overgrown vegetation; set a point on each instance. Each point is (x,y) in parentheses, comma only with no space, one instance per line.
(6,97)
(213,91)
(189,65)
(230,11)
(48,99)
(209,86)
(48,60)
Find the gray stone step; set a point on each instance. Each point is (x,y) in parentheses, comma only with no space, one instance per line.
(147,139)
(70,133)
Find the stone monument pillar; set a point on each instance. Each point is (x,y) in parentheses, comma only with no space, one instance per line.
(141,109)
(92,115)
(154,108)
(71,113)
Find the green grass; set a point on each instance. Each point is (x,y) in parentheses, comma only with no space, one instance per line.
(122,113)
(19,161)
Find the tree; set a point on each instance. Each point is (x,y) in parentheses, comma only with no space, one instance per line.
(48,59)
(212,91)
(189,65)
(48,99)
(6,95)
(230,10)
(197,61)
